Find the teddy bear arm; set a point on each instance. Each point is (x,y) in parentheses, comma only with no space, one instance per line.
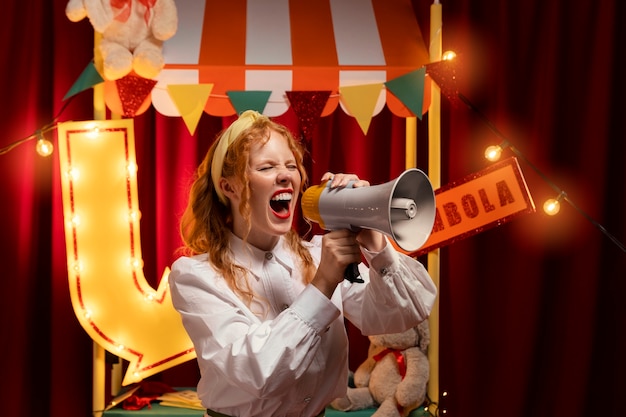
(411,391)
(75,10)
(165,22)
(100,14)
(363,372)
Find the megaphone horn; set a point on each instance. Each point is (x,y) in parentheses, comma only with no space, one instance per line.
(403,209)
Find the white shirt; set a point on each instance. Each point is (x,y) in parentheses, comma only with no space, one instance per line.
(287,354)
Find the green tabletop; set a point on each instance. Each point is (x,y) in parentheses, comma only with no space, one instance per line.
(156,409)
(159,410)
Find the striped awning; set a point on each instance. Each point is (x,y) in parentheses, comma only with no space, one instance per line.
(289,45)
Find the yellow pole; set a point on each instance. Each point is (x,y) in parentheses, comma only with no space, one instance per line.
(434,173)
(410,140)
(99,355)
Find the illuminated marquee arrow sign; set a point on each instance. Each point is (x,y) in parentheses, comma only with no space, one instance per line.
(110,295)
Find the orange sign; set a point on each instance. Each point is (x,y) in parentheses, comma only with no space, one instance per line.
(478,202)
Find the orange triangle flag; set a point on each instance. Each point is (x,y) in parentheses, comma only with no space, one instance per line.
(360,100)
(190,100)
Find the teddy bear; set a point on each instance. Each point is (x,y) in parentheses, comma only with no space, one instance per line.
(133,32)
(394,375)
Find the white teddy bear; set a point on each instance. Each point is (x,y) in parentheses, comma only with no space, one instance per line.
(132,31)
(394,376)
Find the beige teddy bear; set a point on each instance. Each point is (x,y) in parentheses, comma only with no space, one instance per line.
(394,375)
(132,31)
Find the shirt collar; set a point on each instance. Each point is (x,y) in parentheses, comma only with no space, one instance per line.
(254,259)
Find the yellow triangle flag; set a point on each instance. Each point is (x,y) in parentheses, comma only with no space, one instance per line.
(190,100)
(360,100)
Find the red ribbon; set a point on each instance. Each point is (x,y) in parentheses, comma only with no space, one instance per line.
(125,7)
(399,359)
(148,391)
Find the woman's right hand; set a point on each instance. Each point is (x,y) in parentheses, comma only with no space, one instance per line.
(339,249)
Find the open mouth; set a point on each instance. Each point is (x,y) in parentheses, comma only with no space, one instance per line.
(280,204)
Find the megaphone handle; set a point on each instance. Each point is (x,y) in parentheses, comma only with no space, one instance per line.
(352,273)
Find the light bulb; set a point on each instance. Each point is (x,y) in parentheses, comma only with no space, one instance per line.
(134,215)
(73,174)
(552,206)
(493,153)
(448,56)
(44,146)
(94,133)
(136,263)
(73,222)
(77,267)
(131,169)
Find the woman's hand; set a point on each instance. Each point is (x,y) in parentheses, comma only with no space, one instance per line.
(342,180)
(371,240)
(339,249)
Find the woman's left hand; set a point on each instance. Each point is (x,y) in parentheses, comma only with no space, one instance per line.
(371,240)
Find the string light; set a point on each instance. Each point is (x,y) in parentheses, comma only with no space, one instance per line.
(44,147)
(494,152)
(432,408)
(551,206)
(448,56)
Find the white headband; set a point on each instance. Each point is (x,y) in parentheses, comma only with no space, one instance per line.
(245,120)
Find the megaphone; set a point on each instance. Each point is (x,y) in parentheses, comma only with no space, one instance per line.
(403,209)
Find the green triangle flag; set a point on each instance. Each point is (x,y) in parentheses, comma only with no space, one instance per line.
(248,100)
(409,89)
(87,79)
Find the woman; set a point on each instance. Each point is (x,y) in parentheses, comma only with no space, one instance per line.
(265,309)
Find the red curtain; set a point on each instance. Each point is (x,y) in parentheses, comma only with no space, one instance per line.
(532,316)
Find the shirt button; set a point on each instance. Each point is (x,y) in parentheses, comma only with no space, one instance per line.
(383,271)
(269,255)
(307,400)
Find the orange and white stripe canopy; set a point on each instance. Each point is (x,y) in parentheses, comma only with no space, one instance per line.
(289,45)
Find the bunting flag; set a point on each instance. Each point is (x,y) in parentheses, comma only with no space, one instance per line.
(308,106)
(249,100)
(444,74)
(190,100)
(278,46)
(409,89)
(128,96)
(291,45)
(87,79)
(361,100)
(133,92)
